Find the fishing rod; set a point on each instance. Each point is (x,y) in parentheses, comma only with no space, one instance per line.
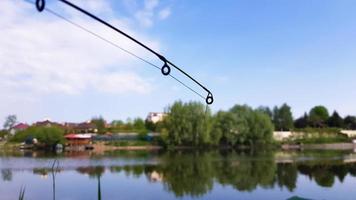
(165,69)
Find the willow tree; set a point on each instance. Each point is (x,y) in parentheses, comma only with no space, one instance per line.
(242,125)
(188,124)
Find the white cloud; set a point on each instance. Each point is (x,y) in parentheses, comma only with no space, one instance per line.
(99,7)
(42,54)
(151,4)
(123,82)
(164,13)
(144,18)
(150,11)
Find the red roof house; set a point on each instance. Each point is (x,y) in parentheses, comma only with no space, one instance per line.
(19,127)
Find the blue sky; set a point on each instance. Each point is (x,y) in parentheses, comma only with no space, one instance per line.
(255,52)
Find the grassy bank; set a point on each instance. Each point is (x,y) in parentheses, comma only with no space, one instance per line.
(9,145)
(317,136)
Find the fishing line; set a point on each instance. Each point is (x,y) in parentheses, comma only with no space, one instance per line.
(165,69)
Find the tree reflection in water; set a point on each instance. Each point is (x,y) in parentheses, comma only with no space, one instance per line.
(6,175)
(194,173)
(94,172)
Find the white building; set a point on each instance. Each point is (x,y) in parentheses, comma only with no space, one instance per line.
(155,117)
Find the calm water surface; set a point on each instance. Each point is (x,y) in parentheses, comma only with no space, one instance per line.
(179,175)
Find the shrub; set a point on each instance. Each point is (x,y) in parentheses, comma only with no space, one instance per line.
(48,136)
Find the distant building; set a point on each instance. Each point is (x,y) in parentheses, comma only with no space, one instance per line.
(85,127)
(48,123)
(19,127)
(155,117)
(78,139)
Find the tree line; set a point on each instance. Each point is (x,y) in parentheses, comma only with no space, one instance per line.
(193,123)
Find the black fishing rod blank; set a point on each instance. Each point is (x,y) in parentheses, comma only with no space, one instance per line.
(165,69)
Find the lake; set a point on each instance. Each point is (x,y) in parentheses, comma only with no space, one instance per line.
(179,175)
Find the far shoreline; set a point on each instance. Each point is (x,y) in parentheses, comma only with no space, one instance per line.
(101,147)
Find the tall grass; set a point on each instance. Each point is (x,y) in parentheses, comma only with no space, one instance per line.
(22,193)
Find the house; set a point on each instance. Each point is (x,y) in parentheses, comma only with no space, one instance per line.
(155,117)
(19,127)
(48,123)
(76,140)
(85,127)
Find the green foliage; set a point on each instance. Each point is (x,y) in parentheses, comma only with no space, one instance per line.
(320,139)
(99,123)
(3,133)
(261,129)
(190,124)
(320,136)
(139,124)
(266,110)
(302,122)
(252,126)
(50,136)
(142,134)
(150,126)
(187,124)
(335,120)
(116,123)
(318,130)
(318,116)
(45,135)
(224,129)
(10,121)
(350,122)
(282,118)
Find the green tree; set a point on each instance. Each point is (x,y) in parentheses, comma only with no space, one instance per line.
(241,125)
(266,110)
(187,124)
(150,125)
(48,136)
(318,116)
(139,124)
(283,118)
(302,122)
(117,123)
(261,128)
(242,116)
(10,122)
(350,122)
(335,120)
(225,129)
(252,126)
(129,124)
(100,124)
(3,133)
